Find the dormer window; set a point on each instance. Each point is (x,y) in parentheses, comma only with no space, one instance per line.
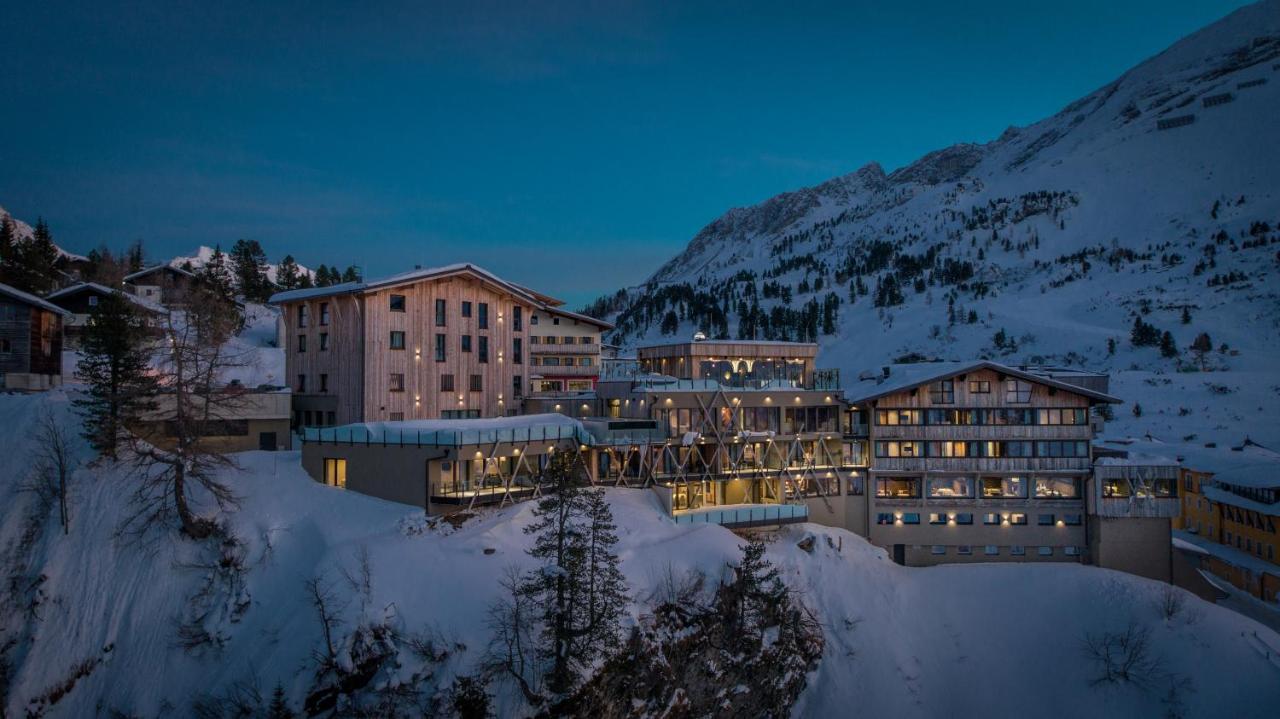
(943,392)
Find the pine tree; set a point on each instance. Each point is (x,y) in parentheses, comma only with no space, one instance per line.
(8,235)
(215,276)
(1186,315)
(305,282)
(1168,348)
(136,258)
(350,274)
(279,707)
(579,593)
(1201,347)
(114,363)
(249,265)
(757,593)
(288,274)
(34,261)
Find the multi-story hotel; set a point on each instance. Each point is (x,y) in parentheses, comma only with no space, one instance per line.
(564,351)
(976,461)
(450,342)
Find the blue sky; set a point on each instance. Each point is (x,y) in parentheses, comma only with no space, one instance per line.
(570,147)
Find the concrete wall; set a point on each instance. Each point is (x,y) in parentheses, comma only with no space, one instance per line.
(1137,545)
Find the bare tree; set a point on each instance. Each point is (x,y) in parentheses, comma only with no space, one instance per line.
(172,452)
(1124,657)
(52,465)
(513,648)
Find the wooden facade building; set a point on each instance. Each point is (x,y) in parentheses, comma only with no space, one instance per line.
(30,341)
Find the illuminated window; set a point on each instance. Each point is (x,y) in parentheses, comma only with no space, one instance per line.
(335,472)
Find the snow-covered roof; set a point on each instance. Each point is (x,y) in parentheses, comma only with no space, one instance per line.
(908,376)
(1248,465)
(28,298)
(455,432)
(537,299)
(103,289)
(154,268)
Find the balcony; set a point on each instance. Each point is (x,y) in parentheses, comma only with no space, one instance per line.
(574,349)
(744,516)
(563,371)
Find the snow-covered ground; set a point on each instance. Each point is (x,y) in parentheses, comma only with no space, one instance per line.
(994,640)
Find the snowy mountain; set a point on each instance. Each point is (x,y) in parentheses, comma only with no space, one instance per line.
(98,624)
(204,253)
(1158,193)
(25,232)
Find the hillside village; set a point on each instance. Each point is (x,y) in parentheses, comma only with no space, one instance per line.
(998,423)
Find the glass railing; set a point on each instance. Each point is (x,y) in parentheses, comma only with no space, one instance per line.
(740,515)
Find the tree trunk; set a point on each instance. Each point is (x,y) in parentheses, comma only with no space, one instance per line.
(192,526)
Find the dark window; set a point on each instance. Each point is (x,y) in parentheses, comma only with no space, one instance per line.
(517,318)
(943,392)
(1016,390)
(517,350)
(555,320)
(1072,520)
(517,386)
(302,343)
(466,308)
(302,315)
(964,518)
(1045,520)
(397,303)
(332,418)
(324,313)
(440,341)
(484,348)
(302,383)
(466,343)
(440,313)
(397,416)
(324,382)
(910,518)
(979,387)
(477,383)
(446,383)
(397,382)
(884,518)
(397,340)
(483,320)
(324,341)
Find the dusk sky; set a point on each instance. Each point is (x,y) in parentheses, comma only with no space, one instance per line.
(568,147)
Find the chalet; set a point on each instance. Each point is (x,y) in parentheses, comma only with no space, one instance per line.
(80,299)
(165,285)
(449,342)
(30,341)
(564,350)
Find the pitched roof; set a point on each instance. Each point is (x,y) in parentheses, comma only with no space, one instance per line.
(81,286)
(910,376)
(30,299)
(536,299)
(148,270)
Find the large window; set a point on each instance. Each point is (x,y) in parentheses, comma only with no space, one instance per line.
(397,303)
(517,350)
(324,341)
(1017,391)
(950,487)
(484,348)
(335,472)
(951,449)
(466,308)
(324,313)
(1003,487)
(302,315)
(895,417)
(441,316)
(951,416)
(441,339)
(483,320)
(302,343)
(1062,416)
(517,318)
(397,340)
(943,392)
(898,487)
(899,449)
(1057,488)
(466,343)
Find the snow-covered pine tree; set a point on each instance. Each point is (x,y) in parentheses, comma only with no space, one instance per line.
(114,363)
(606,595)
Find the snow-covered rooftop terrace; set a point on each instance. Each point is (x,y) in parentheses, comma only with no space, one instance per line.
(454,432)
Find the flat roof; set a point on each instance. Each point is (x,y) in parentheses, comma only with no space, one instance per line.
(550,426)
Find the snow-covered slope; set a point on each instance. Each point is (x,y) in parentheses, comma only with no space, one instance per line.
(204,253)
(996,640)
(1057,233)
